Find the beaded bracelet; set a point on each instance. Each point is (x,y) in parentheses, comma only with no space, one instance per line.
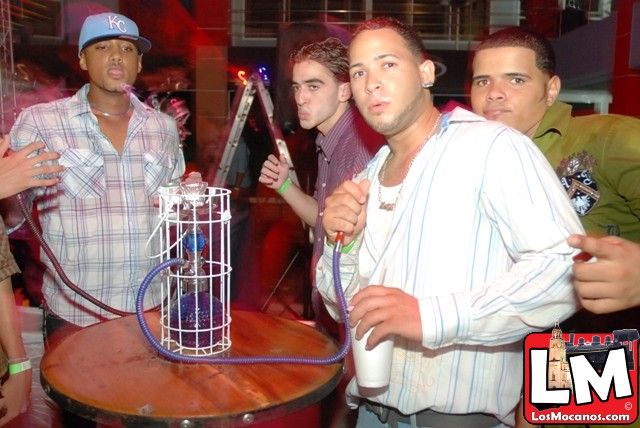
(284,186)
(16,368)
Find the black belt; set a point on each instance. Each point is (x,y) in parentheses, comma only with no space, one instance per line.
(430,418)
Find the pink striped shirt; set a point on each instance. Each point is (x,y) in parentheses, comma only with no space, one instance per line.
(342,153)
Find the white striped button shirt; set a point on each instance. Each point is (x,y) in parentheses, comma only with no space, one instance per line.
(478,237)
(98,219)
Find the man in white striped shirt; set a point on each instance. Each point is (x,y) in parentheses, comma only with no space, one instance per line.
(455,245)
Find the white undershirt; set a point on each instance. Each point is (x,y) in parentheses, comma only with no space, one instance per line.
(379,220)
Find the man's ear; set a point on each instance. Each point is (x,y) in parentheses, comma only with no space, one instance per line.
(428,72)
(553,89)
(83,62)
(344,92)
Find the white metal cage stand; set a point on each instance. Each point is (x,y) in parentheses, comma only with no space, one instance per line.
(195,310)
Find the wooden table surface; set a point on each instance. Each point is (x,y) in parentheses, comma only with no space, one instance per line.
(110,373)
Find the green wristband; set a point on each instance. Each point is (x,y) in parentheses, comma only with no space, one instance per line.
(344,249)
(284,186)
(348,248)
(19,367)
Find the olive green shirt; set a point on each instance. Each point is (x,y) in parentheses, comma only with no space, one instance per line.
(597,158)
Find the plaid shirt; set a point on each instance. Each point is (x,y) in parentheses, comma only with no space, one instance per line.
(8,265)
(98,219)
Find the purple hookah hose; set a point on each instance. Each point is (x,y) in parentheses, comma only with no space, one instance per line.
(337,357)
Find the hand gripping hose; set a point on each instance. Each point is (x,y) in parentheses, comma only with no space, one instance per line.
(337,357)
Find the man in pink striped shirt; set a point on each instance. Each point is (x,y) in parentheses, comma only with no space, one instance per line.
(345,143)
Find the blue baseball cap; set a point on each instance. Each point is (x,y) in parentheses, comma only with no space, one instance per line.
(111,25)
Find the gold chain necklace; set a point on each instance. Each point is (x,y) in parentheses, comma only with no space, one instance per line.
(390,206)
(104,113)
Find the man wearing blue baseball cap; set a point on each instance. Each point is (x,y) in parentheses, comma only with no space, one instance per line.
(117,152)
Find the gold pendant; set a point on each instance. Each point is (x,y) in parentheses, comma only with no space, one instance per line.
(387,206)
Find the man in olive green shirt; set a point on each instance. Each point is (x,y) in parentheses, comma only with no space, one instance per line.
(596,157)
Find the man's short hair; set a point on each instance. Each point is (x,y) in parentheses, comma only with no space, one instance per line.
(517,37)
(330,52)
(404,30)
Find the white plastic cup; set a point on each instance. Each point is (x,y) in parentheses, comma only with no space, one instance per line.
(373,367)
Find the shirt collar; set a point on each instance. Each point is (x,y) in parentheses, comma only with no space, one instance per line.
(326,144)
(459,114)
(80,103)
(556,119)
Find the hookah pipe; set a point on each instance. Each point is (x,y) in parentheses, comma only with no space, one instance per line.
(337,357)
(58,267)
(341,354)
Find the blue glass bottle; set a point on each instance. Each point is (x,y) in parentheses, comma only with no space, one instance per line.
(196,319)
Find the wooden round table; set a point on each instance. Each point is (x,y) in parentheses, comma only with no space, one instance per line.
(110,373)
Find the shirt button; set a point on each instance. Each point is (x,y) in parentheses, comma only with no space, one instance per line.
(321,213)
(324,184)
